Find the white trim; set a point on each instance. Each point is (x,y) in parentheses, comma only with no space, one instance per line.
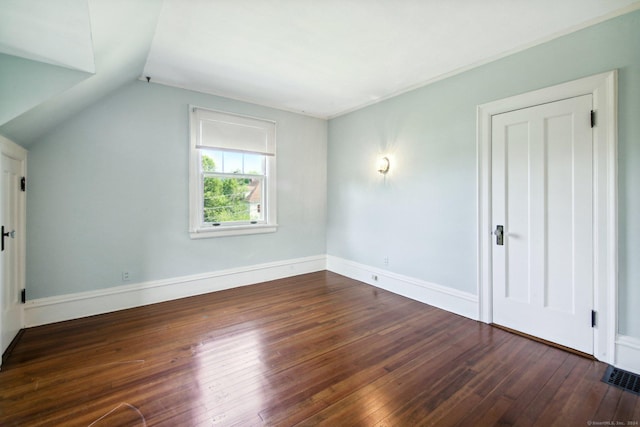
(205,233)
(603,87)
(12,149)
(82,304)
(628,353)
(449,299)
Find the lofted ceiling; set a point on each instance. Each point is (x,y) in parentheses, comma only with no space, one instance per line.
(317,58)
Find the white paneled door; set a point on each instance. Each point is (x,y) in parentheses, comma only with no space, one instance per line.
(542,210)
(10,256)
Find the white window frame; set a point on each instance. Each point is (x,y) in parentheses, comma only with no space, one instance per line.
(198,229)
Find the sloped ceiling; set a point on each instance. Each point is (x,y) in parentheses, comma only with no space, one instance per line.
(44,50)
(318,58)
(25,84)
(56,32)
(121,33)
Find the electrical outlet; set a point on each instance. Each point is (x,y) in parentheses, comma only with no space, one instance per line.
(386,261)
(125,276)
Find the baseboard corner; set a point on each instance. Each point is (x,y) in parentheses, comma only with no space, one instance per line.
(449,299)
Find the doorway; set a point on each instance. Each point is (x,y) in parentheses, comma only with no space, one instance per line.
(12,251)
(536,280)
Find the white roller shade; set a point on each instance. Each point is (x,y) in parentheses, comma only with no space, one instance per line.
(234,133)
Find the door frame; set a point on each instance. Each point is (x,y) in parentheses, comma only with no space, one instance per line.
(603,87)
(15,151)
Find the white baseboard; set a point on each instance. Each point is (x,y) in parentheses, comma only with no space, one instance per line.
(449,299)
(628,353)
(73,306)
(82,304)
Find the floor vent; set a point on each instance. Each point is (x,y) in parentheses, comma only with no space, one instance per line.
(622,379)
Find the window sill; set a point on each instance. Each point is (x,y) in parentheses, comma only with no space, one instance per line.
(206,233)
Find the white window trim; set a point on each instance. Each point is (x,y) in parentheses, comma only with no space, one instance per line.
(197,230)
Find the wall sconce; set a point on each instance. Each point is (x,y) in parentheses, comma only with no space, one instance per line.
(383,165)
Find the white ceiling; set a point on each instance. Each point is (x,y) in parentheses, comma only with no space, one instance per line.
(55,32)
(326,58)
(318,57)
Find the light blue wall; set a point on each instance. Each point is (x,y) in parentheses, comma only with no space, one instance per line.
(108,192)
(423,216)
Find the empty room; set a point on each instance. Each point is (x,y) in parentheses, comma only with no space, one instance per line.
(341,213)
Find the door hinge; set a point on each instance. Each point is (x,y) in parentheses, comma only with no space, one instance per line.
(23,296)
(593,118)
(594,319)
(23,183)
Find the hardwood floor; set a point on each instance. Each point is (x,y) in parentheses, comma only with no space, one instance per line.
(317,349)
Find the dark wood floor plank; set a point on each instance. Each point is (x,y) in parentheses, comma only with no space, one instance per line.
(624,411)
(357,390)
(608,404)
(635,417)
(316,349)
(529,356)
(529,416)
(531,386)
(563,395)
(466,398)
(414,370)
(587,396)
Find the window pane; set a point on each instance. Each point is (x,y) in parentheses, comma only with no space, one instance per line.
(231,162)
(232,199)
(211,160)
(253,164)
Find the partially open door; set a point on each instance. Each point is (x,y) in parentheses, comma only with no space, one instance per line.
(12,240)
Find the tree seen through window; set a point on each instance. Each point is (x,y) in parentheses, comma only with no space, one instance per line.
(228,198)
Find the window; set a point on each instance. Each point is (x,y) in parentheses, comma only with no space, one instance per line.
(232,174)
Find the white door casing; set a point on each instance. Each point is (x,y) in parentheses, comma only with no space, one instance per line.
(12,259)
(542,183)
(603,88)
